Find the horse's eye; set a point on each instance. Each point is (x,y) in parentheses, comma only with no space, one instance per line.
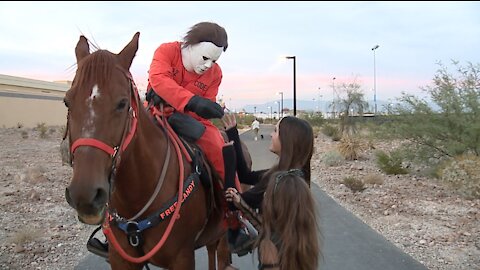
(122,104)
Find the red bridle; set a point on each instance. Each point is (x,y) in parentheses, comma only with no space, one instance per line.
(128,132)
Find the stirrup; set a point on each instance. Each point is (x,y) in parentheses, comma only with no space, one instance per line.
(96,246)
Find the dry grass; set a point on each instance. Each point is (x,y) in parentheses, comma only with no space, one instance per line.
(25,235)
(350,147)
(373,179)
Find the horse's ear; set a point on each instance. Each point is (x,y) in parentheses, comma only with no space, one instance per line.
(82,48)
(128,53)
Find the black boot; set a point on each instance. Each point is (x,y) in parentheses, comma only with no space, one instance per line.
(96,246)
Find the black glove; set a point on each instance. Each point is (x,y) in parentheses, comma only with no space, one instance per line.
(152,97)
(205,108)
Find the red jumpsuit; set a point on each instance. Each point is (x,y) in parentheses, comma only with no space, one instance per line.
(176,85)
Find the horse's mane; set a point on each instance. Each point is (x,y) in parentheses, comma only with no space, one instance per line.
(97,67)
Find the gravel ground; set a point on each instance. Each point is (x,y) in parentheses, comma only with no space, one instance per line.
(40,230)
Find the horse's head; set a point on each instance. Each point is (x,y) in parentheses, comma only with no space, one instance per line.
(100,121)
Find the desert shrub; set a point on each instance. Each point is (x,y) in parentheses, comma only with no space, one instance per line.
(353,184)
(315,119)
(42,129)
(462,173)
(332,131)
(19,125)
(446,123)
(350,147)
(373,179)
(332,158)
(25,235)
(390,163)
(24,134)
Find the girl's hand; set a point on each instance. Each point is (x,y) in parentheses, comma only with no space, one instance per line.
(229,121)
(232,195)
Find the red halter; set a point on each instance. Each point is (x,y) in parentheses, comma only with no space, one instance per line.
(128,133)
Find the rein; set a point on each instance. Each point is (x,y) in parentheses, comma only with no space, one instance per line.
(176,213)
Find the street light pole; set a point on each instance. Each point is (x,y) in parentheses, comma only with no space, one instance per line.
(374,80)
(278,113)
(319,100)
(294,85)
(281,94)
(333,97)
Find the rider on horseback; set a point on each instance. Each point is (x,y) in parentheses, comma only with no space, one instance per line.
(186,76)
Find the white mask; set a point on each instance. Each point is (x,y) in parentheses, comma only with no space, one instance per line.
(200,57)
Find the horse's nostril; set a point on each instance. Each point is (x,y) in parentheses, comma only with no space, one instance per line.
(100,197)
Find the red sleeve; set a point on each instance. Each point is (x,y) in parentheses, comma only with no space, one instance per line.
(161,77)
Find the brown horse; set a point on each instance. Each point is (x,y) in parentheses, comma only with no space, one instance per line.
(131,173)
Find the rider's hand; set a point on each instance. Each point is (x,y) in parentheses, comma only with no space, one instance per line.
(232,195)
(152,97)
(204,108)
(229,121)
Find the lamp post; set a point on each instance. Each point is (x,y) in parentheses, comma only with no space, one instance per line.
(374,80)
(319,100)
(294,85)
(278,112)
(333,97)
(281,111)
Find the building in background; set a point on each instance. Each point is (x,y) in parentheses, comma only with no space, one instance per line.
(29,102)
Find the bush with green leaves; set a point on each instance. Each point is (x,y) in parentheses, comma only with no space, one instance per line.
(463,174)
(315,119)
(447,122)
(390,163)
(331,131)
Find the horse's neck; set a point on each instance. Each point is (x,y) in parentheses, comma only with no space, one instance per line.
(141,165)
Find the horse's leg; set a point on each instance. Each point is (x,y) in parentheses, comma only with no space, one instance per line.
(118,263)
(212,256)
(223,253)
(185,260)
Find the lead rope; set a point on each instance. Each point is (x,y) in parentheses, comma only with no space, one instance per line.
(160,180)
(111,237)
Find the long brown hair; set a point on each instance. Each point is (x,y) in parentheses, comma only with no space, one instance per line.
(290,223)
(296,140)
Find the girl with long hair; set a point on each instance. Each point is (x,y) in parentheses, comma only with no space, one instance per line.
(292,141)
(288,235)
